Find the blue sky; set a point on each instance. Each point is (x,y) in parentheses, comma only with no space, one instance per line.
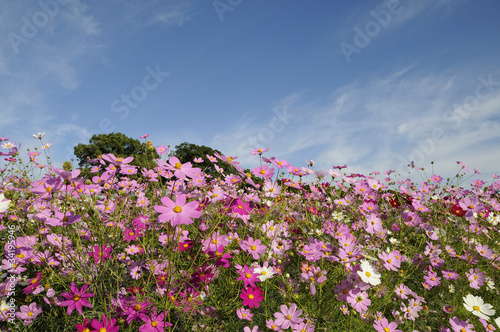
(370,84)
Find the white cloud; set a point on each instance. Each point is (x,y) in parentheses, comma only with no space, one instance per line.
(382,124)
(44,67)
(147,12)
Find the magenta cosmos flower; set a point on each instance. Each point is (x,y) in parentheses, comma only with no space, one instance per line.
(178,212)
(287,316)
(105,324)
(248,276)
(76,299)
(101,253)
(252,296)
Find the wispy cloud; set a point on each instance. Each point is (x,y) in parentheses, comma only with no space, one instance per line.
(175,13)
(384,123)
(149,12)
(45,64)
(77,13)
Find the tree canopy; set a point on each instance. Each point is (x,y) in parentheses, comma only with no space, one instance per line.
(144,154)
(116,143)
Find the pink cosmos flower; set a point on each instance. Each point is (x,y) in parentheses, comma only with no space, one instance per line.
(402,291)
(343,289)
(244,314)
(487,326)
(117,161)
(432,279)
(263,172)
(253,247)
(373,224)
(76,298)
(258,151)
(288,316)
(471,205)
(303,327)
(358,300)
(161,149)
(280,164)
(254,329)
(178,212)
(271,324)
(476,278)
(29,313)
(383,325)
(180,170)
(461,326)
(136,310)
(484,251)
(252,296)
(271,189)
(436,178)
(390,261)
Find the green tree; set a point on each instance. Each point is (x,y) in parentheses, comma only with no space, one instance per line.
(118,144)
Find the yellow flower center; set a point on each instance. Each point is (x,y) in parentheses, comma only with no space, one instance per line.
(76,297)
(368,274)
(154,323)
(253,247)
(177,209)
(251,296)
(476,308)
(178,165)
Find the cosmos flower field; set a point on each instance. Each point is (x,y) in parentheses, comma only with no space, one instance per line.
(166,247)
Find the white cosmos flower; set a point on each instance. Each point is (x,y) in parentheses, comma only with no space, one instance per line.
(264,273)
(476,305)
(4,203)
(4,308)
(497,321)
(368,274)
(490,283)
(493,219)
